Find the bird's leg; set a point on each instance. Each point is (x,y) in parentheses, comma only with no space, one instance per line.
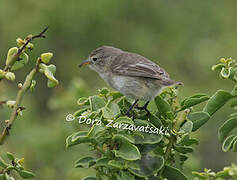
(144,107)
(130,108)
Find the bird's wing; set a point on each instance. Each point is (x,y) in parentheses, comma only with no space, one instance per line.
(131,64)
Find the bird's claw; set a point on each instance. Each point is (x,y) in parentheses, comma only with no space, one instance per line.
(143,108)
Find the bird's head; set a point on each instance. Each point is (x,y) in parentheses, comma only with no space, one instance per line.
(100,59)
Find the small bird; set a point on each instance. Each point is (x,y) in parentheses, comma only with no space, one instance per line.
(133,75)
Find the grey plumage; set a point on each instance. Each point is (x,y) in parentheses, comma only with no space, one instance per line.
(133,75)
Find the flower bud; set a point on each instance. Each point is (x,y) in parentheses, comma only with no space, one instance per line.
(20,161)
(2,73)
(30,46)
(20,42)
(19,85)
(10,76)
(46,57)
(222,60)
(10,54)
(10,104)
(7,121)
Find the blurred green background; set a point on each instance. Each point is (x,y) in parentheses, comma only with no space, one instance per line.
(185,37)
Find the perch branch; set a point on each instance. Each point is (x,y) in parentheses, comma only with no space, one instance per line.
(17,107)
(20,50)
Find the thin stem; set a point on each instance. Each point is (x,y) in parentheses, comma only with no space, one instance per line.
(31,38)
(180,119)
(16,109)
(2,102)
(20,50)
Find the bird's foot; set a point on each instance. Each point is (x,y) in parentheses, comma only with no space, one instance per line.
(130,115)
(143,108)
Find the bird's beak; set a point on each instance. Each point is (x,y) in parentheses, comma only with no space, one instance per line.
(86,62)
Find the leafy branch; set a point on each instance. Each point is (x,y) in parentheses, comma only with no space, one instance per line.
(134,153)
(14,165)
(16,59)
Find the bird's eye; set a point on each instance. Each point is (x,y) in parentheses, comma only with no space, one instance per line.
(94,58)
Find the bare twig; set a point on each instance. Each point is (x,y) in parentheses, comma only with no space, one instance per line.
(31,38)
(2,102)
(20,50)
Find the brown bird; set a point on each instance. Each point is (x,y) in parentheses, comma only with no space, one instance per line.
(131,74)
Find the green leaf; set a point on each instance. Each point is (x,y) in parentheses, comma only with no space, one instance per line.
(173,173)
(148,165)
(128,152)
(3,163)
(185,140)
(77,138)
(126,175)
(95,130)
(2,177)
(2,74)
(107,113)
(227,73)
(115,95)
(183,149)
(89,178)
(115,164)
(46,57)
(222,174)
(24,59)
(224,73)
(234,146)
(233,103)
(102,162)
(104,91)
(85,162)
(10,156)
(7,177)
(49,72)
(139,122)
(124,120)
(193,100)
(217,101)
(226,128)
(10,56)
(79,112)
(162,105)
(186,127)
(114,108)
(124,104)
(148,138)
(198,119)
(145,148)
(123,137)
(155,120)
(183,157)
(52,84)
(83,101)
(228,143)
(96,103)
(26,174)
(217,66)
